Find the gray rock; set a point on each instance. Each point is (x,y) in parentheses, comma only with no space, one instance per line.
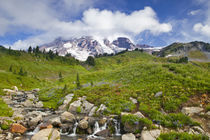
(31,96)
(36,90)
(150,135)
(67,117)
(198,130)
(101,109)
(33,121)
(92,111)
(2,136)
(28,103)
(67,100)
(9,136)
(55,121)
(73,106)
(158,94)
(129,136)
(103,133)
(83,124)
(39,104)
(191,110)
(86,107)
(134,101)
(47,134)
(139,114)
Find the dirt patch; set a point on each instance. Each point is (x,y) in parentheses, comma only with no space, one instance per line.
(198,100)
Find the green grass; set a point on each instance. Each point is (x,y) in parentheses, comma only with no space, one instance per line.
(135,120)
(4,109)
(115,79)
(197,55)
(181,136)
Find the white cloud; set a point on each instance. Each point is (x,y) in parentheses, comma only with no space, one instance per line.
(194,12)
(204,28)
(40,16)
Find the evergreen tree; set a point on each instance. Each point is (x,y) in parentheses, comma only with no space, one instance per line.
(30,49)
(90,61)
(21,72)
(10,68)
(91,83)
(60,77)
(64,89)
(78,82)
(56,53)
(51,55)
(37,49)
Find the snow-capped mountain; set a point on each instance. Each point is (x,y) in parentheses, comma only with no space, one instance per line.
(81,48)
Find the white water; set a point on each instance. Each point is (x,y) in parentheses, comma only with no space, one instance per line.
(74,130)
(97,129)
(117,127)
(36,130)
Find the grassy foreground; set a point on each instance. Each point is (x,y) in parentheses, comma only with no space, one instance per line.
(112,81)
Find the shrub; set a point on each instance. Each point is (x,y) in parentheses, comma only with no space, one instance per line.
(181,136)
(135,120)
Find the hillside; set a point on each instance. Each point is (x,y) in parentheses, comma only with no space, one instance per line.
(195,51)
(112,81)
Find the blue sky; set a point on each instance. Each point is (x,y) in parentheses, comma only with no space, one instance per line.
(153,22)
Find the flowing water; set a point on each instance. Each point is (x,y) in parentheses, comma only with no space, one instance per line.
(74,136)
(74,130)
(117,127)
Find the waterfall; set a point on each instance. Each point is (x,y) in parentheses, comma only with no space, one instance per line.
(36,130)
(117,127)
(97,129)
(74,130)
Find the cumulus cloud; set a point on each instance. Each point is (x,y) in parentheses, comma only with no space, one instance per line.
(40,16)
(204,28)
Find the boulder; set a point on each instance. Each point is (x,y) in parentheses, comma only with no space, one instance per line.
(129,136)
(208,114)
(101,109)
(33,121)
(103,133)
(73,106)
(55,121)
(67,117)
(86,107)
(191,110)
(39,104)
(83,124)
(17,128)
(36,90)
(9,136)
(139,114)
(92,111)
(158,94)
(15,88)
(2,136)
(124,113)
(150,135)
(197,130)
(47,134)
(28,103)
(67,100)
(134,101)
(45,125)
(31,96)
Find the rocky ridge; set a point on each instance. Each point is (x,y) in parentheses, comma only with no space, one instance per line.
(76,117)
